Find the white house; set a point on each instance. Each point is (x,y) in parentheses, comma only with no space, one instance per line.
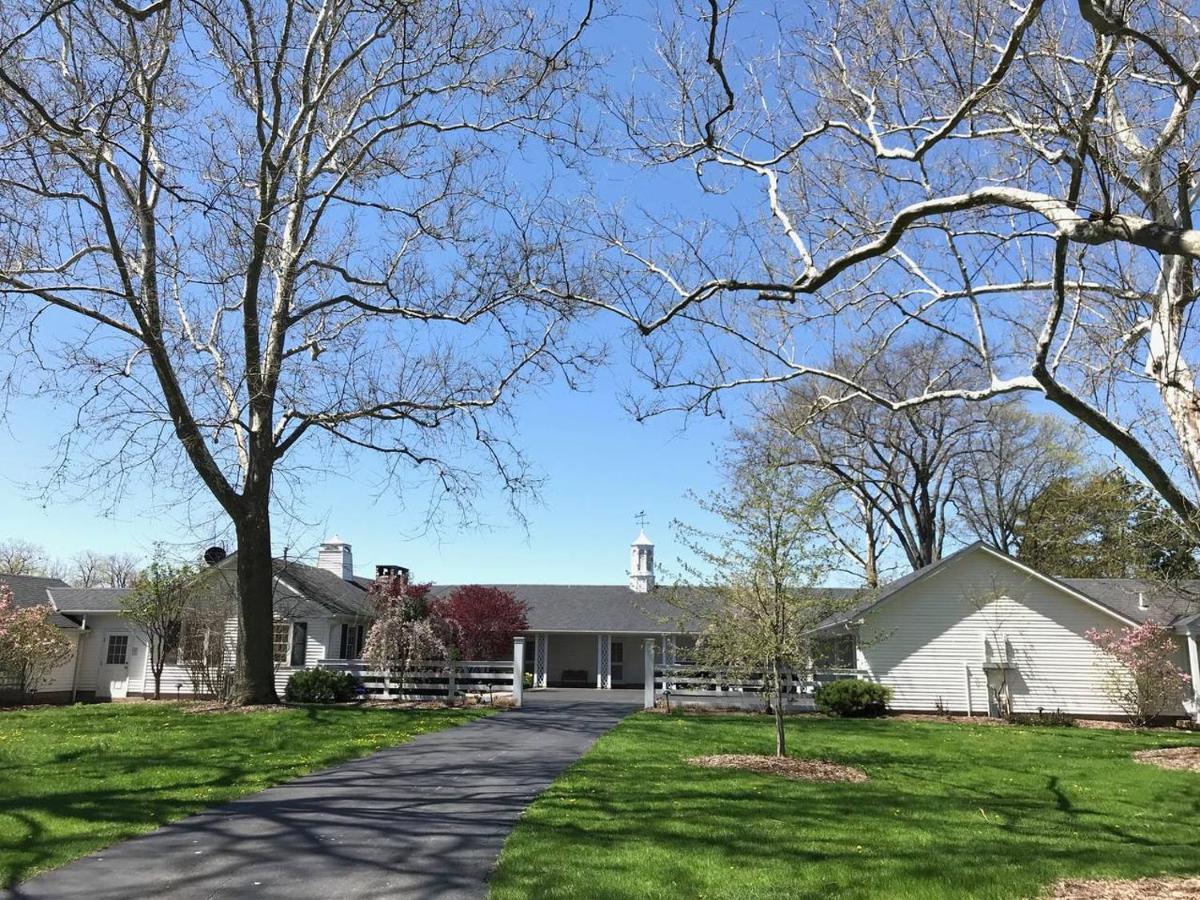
(952,635)
(949,637)
(322,612)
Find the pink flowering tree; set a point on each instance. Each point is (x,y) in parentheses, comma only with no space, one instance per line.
(1146,684)
(30,644)
(403,637)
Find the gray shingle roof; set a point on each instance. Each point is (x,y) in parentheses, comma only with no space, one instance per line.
(304,591)
(85,600)
(590,608)
(606,607)
(1167,602)
(30,590)
(33,590)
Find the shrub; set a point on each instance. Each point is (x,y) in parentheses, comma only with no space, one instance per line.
(1042,717)
(320,686)
(853,698)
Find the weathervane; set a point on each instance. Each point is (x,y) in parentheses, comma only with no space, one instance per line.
(640,518)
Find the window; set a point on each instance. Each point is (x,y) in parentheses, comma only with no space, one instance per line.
(835,653)
(192,642)
(351,643)
(299,643)
(118,650)
(283,631)
(616,657)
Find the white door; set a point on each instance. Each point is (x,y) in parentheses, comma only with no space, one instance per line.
(113,679)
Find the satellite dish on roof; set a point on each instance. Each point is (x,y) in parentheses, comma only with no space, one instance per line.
(214,555)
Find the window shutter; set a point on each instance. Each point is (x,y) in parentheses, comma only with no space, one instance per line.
(299,643)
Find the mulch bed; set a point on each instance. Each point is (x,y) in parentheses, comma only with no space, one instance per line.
(1135,889)
(798,769)
(1186,759)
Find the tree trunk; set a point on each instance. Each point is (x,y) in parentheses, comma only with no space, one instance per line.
(255,577)
(780,737)
(158,682)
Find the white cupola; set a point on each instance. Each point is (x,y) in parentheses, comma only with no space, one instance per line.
(335,556)
(641,564)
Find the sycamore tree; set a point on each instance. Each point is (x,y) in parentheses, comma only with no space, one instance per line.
(30,643)
(754,584)
(1018,179)
(157,605)
(241,238)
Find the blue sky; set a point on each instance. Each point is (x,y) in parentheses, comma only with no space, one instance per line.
(601,466)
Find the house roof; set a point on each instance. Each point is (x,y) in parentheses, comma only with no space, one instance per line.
(303,591)
(1167,603)
(33,590)
(591,608)
(30,590)
(87,600)
(612,608)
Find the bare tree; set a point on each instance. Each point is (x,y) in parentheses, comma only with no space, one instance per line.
(903,467)
(88,569)
(248,228)
(1016,457)
(1017,178)
(121,569)
(18,557)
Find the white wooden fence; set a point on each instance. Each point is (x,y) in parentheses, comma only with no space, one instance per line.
(444,681)
(705,684)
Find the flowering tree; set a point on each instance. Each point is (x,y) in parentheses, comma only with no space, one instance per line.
(1148,683)
(480,621)
(30,644)
(402,637)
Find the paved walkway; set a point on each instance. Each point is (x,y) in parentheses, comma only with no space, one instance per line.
(422,820)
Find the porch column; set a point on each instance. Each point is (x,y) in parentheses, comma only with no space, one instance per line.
(541,659)
(518,670)
(603,661)
(648,669)
(1193,645)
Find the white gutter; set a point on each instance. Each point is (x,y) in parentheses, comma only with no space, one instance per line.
(78,653)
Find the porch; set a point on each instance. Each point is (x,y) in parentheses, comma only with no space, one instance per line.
(598,660)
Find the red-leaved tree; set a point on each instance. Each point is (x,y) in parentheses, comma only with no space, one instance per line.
(481,621)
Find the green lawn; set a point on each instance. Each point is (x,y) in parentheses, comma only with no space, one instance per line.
(949,811)
(74,779)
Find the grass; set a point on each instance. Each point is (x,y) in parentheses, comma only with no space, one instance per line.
(75,779)
(949,811)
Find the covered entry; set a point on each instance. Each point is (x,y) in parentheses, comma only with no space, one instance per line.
(594,660)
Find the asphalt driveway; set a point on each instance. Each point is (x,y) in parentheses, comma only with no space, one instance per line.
(425,819)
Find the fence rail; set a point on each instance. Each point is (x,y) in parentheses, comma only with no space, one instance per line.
(445,681)
(704,680)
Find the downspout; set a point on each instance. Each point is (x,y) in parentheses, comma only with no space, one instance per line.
(1194,665)
(967,677)
(78,653)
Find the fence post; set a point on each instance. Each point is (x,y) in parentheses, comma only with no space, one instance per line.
(518,670)
(450,681)
(648,669)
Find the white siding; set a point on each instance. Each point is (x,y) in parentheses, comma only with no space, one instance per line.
(60,677)
(927,640)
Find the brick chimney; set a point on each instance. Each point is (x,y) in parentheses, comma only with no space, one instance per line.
(387,573)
